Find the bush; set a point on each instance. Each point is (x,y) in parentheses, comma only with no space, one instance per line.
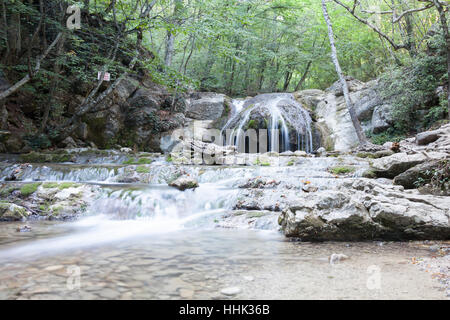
(390,135)
(412,88)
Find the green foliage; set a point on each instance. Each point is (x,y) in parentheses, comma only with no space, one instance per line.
(60,186)
(412,88)
(38,141)
(142,169)
(342,170)
(143,160)
(390,135)
(437,179)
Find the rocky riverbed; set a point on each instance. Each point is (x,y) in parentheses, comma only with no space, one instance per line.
(146,225)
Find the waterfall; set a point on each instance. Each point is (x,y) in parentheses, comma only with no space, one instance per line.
(280,114)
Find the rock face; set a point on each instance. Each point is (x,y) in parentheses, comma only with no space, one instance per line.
(334,120)
(367,210)
(137,113)
(205,106)
(382,118)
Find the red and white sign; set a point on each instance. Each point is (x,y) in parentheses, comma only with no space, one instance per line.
(106,77)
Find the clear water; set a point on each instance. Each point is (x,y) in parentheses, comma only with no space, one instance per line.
(149,241)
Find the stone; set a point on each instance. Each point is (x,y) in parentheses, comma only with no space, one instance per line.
(382,118)
(300,153)
(230,291)
(427,137)
(366,210)
(205,106)
(68,143)
(337,257)
(321,152)
(409,177)
(23,229)
(13,212)
(391,166)
(184,183)
(309,188)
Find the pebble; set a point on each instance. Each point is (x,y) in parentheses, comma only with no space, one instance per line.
(248,278)
(109,293)
(336,257)
(186,293)
(230,291)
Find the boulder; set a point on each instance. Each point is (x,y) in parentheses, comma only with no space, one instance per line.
(352,83)
(427,137)
(382,118)
(68,143)
(309,98)
(366,210)
(392,166)
(126,88)
(184,183)
(205,106)
(12,212)
(410,176)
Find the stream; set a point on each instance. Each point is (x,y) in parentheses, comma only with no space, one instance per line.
(151,241)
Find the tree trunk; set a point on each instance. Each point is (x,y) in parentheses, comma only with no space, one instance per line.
(37,67)
(169,49)
(348,102)
(53,86)
(170,42)
(305,74)
(446,34)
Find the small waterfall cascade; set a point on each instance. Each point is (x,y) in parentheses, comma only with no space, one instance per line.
(287,123)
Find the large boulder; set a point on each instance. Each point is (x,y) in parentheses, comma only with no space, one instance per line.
(382,118)
(392,166)
(205,106)
(366,210)
(427,137)
(423,171)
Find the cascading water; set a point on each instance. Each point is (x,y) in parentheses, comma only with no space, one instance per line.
(288,124)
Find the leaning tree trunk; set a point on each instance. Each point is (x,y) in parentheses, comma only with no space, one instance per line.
(446,34)
(348,101)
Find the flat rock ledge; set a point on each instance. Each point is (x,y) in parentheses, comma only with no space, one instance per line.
(367,210)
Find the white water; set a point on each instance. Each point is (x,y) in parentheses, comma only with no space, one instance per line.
(285,115)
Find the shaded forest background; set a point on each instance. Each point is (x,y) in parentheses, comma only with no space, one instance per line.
(237,47)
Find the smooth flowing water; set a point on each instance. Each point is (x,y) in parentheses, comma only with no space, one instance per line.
(149,241)
(279,113)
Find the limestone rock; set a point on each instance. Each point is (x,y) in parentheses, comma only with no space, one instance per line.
(184,183)
(389,167)
(427,137)
(410,176)
(12,212)
(382,118)
(366,210)
(205,106)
